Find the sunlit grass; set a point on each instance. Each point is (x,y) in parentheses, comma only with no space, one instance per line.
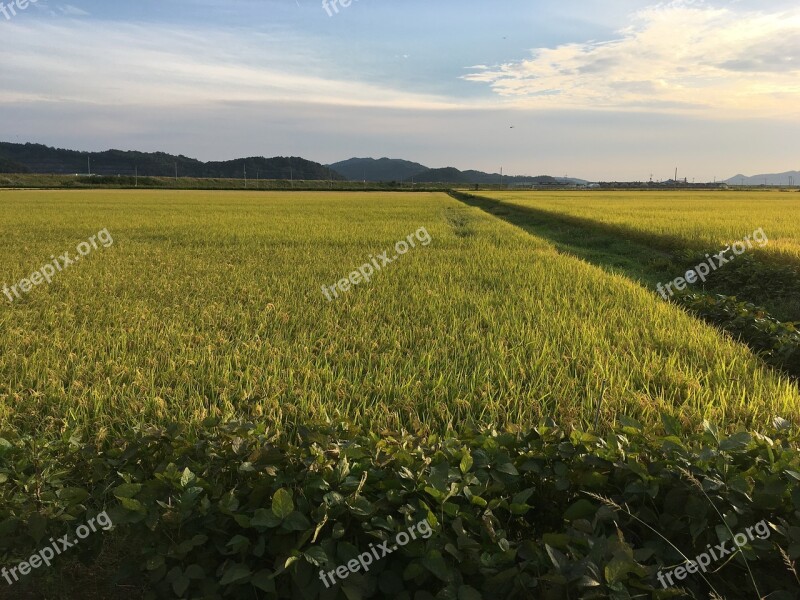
(693,219)
(210,304)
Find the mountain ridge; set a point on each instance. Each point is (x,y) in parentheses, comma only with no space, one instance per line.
(41,159)
(770,178)
(395,169)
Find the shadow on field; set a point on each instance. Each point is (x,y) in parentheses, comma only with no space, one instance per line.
(743,300)
(609,247)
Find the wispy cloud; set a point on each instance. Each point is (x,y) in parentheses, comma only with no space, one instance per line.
(158,65)
(72,11)
(681,56)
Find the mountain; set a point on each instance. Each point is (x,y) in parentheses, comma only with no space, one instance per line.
(771,179)
(393,169)
(453,175)
(36,158)
(382,169)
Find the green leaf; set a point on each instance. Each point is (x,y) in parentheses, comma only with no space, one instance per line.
(361,507)
(238,573)
(466,462)
(582,509)
(180,585)
(238,543)
(617,569)
(435,563)
(522,497)
(711,429)
(316,556)
(290,561)
(127,490)
(781,424)
(793,474)
(466,592)
(72,495)
(671,425)
(738,441)
(229,503)
(131,504)
(282,503)
(439,475)
(519,509)
(630,425)
(195,572)
(296,521)
(264,580)
(557,540)
(187,477)
(508,469)
(265,518)
(558,559)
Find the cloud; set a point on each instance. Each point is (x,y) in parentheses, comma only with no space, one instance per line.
(72,11)
(157,65)
(684,55)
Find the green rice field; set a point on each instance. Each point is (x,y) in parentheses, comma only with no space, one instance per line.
(693,219)
(211,304)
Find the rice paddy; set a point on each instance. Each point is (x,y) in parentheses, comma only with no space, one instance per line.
(211,304)
(693,219)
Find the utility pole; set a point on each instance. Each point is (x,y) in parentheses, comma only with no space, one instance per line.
(89,165)
(245,175)
(176,171)
(137,175)
(501,178)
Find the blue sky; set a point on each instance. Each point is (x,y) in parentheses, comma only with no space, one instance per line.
(612,89)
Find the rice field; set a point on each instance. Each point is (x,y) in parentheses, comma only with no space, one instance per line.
(693,219)
(211,304)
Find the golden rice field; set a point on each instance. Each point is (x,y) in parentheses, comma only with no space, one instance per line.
(210,304)
(698,219)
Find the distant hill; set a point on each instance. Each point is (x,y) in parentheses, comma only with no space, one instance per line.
(771,179)
(36,158)
(393,169)
(453,175)
(382,169)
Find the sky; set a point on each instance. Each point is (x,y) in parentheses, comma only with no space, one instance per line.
(596,89)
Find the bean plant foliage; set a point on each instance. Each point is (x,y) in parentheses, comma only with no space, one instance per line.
(235,510)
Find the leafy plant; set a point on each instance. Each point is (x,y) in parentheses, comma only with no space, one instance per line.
(238,511)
